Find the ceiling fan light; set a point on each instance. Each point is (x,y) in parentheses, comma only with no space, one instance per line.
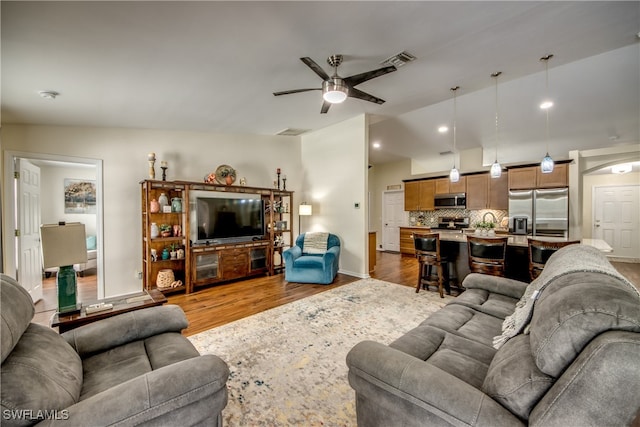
(454,175)
(546,105)
(546,166)
(620,169)
(496,170)
(334,91)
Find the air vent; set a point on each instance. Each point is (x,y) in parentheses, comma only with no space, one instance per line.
(445,153)
(292,132)
(399,59)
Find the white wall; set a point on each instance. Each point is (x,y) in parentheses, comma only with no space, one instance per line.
(191,155)
(52,195)
(335,178)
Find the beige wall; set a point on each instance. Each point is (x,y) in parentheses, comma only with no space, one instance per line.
(334,163)
(191,155)
(588,184)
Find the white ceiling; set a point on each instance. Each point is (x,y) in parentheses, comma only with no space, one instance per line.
(213,66)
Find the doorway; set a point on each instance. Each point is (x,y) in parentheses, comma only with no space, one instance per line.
(393,217)
(16,211)
(616,218)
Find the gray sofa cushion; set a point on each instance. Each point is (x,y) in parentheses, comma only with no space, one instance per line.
(513,378)
(16,315)
(575,309)
(488,302)
(466,322)
(42,372)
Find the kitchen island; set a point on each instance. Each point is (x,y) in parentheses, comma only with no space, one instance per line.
(454,245)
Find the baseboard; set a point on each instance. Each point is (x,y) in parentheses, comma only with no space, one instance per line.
(351,273)
(629,260)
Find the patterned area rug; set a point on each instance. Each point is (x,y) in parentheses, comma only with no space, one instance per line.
(288,364)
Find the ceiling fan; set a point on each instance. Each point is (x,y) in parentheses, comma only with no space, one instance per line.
(336,89)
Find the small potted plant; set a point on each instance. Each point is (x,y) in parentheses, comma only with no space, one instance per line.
(173,250)
(165,230)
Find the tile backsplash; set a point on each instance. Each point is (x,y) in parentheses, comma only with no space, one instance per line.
(430,218)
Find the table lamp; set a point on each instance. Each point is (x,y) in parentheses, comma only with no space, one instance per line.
(62,246)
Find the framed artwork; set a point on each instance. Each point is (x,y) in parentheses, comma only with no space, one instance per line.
(79,196)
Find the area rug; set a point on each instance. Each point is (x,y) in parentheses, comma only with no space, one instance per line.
(288,364)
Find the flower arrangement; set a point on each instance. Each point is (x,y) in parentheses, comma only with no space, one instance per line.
(485,225)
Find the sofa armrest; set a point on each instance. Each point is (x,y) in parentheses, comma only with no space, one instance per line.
(124,328)
(495,284)
(376,370)
(332,254)
(156,394)
(291,254)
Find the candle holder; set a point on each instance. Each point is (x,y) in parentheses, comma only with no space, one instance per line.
(164,172)
(284,183)
(278,173)
(152,161)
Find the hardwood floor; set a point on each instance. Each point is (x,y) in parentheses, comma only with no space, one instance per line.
(221,304)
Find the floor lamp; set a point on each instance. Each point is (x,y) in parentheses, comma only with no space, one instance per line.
(62,246)
(303,210)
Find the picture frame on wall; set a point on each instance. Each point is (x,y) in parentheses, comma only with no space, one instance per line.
(79,196)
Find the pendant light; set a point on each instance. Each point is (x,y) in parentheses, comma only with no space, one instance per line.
(496,169)
(454,175)
(546,166)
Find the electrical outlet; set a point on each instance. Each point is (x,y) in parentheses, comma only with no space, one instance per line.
(138,275)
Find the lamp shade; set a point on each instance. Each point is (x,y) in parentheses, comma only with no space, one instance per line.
(63,244)
(496,170)
(454,175)
(305,210)
(546,166)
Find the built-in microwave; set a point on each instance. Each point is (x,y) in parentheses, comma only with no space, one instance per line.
(451,201)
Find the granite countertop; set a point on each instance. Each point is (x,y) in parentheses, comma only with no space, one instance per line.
(514,240)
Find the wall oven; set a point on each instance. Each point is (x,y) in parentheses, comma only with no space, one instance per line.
(451,201)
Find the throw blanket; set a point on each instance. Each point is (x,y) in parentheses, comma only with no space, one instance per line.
(575,258)
(315,243)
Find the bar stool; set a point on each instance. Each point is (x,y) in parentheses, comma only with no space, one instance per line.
(487,255)
(539,253)
(427,248)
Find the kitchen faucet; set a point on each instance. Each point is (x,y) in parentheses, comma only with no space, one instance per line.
(484,217)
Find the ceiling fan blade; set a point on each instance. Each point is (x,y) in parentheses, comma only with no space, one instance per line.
(325,107)
(363,77)
(315,67)
(355,93)
(288,92)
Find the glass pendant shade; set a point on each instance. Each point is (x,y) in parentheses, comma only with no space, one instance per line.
(547,164)
(496,170)
(454,175)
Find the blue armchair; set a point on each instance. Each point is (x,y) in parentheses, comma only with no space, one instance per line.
(304,267)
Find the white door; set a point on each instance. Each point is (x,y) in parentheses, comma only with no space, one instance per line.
(393,217)
(28,205)
(617,219)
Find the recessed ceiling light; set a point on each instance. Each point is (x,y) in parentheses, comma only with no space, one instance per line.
(546,104)
(443,129)
(620,169)
(376,145)
(48,94)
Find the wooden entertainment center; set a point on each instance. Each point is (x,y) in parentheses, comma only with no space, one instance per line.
(209,262)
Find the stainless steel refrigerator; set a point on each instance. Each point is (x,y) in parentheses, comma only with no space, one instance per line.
(546,211)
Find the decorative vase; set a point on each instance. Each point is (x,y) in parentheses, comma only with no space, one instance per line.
(163,201)
(180,253)
(176,204)
(491,233)
(173,254)
(165,253)
(165,233)
(155,231)
(154,206)
(228,180)
(177,230)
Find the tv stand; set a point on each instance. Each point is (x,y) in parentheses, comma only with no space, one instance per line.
(213,261)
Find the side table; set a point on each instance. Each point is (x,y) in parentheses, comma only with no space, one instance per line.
(121,304)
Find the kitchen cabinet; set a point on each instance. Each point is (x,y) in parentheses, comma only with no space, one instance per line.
(418,195)
(499,192)
(478,191)
(445,186)
(406,238)
(531,177)
(558,178)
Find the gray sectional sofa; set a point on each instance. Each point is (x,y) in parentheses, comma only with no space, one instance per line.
(132,369)
(568,354)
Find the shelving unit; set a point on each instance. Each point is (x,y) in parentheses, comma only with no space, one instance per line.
(208,264)
(151,190)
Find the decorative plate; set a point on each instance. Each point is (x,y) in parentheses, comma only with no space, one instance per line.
(225,175)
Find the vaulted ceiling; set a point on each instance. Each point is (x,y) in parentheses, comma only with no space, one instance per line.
(213,66)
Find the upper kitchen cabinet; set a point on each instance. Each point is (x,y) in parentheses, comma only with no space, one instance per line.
(484,192)
(418,195)
(532,177)
(558,178)
(445,186)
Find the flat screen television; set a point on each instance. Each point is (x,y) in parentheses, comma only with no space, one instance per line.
(217,218)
